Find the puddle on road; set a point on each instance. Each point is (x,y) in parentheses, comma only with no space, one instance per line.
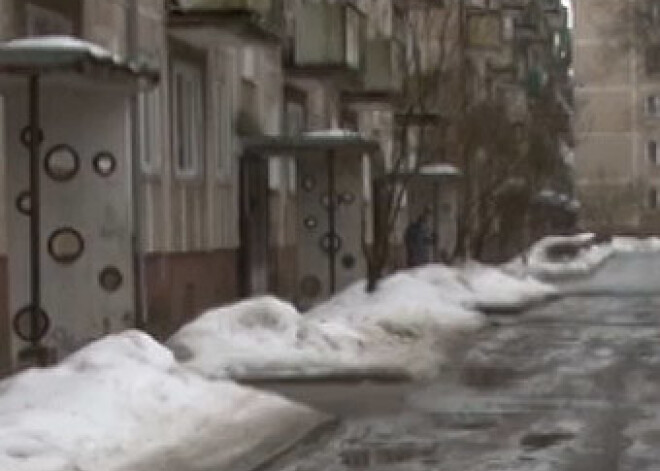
(538,441)
(487,376)
(383,454)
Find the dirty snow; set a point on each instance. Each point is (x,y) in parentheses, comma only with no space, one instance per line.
(112,405)
(410,323)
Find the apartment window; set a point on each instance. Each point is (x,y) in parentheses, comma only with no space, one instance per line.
(653,198)
(652,151)
(653,59)
(149,120)
(654,12)
(508,28)
(187,118)
(352,38)
(653,106)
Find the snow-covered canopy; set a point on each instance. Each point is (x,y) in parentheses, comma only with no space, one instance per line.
(68,55)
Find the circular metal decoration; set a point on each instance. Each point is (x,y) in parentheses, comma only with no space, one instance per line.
(348,261)
(31,325)
(311,223)
(65,245)
(24,202)
(308,183)
(330,243)
(61,163)
(310,286)
(325,200)
(110,278)
(26,136)
(347,198)
(104,164)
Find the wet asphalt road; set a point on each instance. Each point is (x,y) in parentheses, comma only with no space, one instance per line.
(572,385)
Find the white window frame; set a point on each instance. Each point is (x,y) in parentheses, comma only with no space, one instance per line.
(193,127)
(150,127)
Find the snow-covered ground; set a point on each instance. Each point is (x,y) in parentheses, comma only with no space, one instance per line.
(123,403)
(408,325)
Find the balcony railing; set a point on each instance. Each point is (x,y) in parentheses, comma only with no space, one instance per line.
(328,37)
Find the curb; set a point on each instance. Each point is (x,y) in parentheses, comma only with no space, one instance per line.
(351,376)
(310,438)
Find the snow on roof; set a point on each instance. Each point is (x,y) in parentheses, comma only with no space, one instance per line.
(440,169)
(59,44)
(66,54)
(335,133)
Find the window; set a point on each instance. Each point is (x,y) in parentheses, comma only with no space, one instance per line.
(508,28)
(187,118)
(653,198)
(149,119)
(653,106)
(652,59)
(652,151)
(352,38)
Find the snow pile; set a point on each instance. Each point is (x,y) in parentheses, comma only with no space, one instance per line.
(265,334)
(123,403)
(495,290)
(408,324)
(587,255)
(538,261)
(631,244)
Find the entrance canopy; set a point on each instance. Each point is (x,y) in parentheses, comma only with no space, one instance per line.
(317,144)
(72,61)
(432,172)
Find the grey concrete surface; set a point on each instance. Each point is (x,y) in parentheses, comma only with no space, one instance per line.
(571,385)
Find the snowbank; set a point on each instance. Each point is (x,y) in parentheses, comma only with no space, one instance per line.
(408,325)
(539,263)
(495,290)
(264,334)
(123,403)
(588,255)
(631,244)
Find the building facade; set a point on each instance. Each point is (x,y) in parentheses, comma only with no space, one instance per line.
(616,93)
(248,167)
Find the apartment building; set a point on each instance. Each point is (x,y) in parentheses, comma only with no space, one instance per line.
(222,149)
(190,214)
(616,95)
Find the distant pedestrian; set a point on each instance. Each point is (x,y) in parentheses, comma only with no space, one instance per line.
(419,240)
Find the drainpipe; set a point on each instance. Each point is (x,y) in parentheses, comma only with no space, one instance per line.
(132,49)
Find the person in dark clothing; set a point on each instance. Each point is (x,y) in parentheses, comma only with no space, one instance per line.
(419,240)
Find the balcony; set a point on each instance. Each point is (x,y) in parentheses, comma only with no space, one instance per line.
(328,41)
(261,20)
(383,72)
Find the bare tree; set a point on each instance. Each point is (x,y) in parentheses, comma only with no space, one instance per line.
(451,115)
